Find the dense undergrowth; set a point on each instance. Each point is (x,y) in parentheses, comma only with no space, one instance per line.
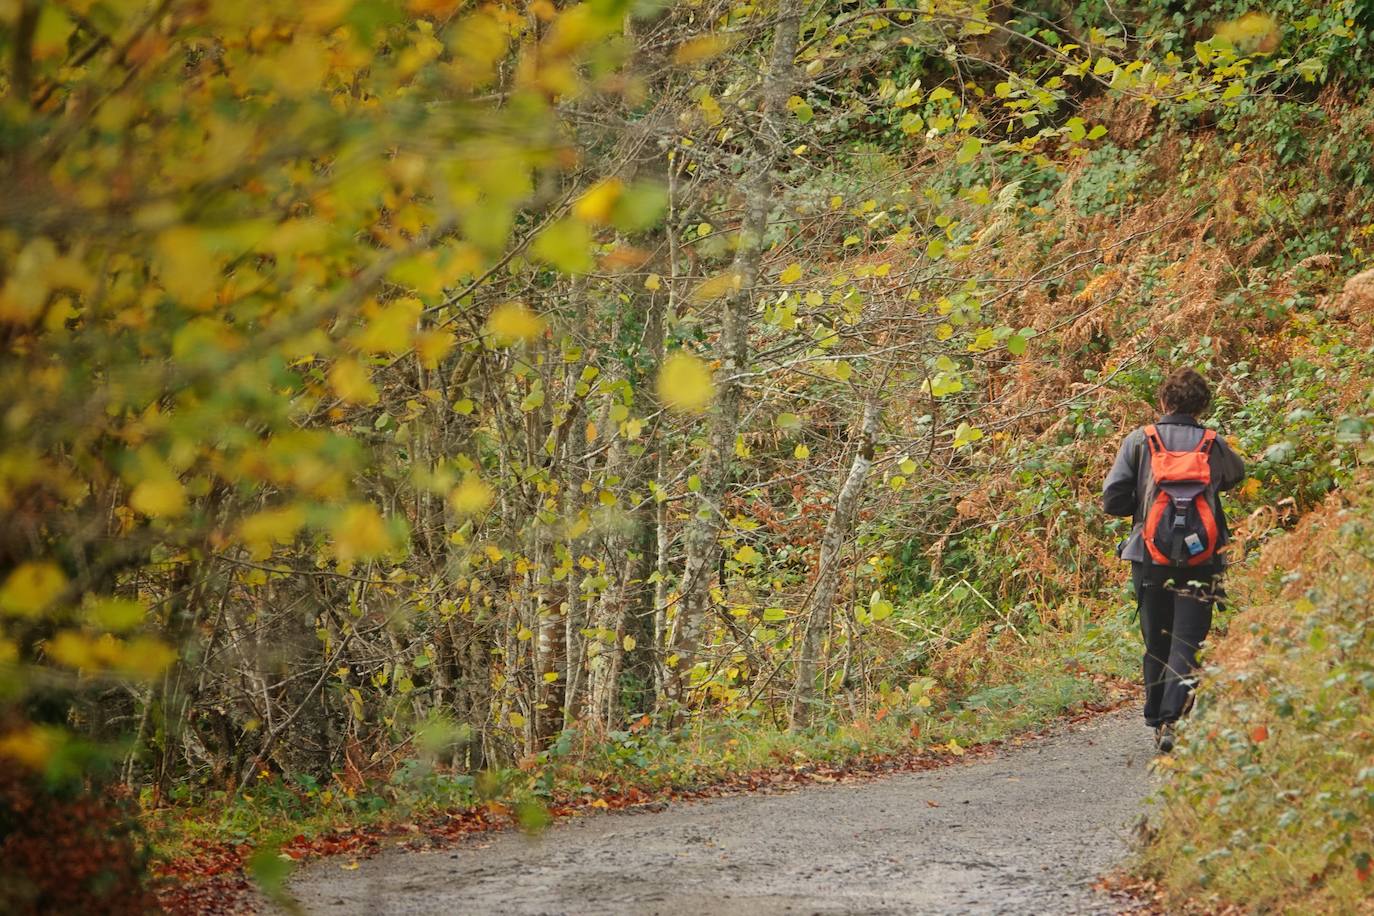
(1269,800)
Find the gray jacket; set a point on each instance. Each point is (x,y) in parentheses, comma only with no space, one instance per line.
(1128,482)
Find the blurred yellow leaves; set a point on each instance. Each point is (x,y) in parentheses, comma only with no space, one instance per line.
(31,745)
(512,323)
(142,657)
(116,614)
(359,533)
(701,48)
(36,272)
(1251,32)
(471,496)
(189,272)
(717,286)
(352,382)
(598,204)
(261,531)
(159,497)
(31,588)
(433,345)
(685,384)
(51,33)
(390,328)
(567,245)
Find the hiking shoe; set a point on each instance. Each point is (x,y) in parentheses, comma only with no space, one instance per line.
(1164,738)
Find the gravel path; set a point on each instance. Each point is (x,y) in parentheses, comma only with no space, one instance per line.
(1025,831)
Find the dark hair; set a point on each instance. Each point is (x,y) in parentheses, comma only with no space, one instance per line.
(1184,391)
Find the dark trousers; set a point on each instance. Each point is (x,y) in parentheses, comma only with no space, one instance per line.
(1175,616)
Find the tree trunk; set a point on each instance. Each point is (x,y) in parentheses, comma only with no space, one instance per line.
(733,351)
(828,569)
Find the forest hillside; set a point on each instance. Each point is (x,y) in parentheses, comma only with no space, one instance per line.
(427,406)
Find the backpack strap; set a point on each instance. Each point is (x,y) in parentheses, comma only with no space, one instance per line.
(1208,437)
(1152,438)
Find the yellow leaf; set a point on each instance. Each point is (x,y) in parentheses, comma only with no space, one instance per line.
(159,497)
(1249,489)
(73,649)
(115,614)
(567,245)
(432,346)
(513,322)
(31,588)
(31,745)
(653,282)
(144,658)
(954,748)
(599,202)
(51,33)
(791,274)
(391,328)
(701,48)
(352,382)
(716,287)
(515,719)
(493,553)
(271,526)
(524,634)
(471,496)
(801,452)
(189,272)
(710,110)
(629,643)
(359,533)
(550,677)
(685,384)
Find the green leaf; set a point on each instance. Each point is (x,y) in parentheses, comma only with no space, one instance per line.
(969,151)
(640,207)
(566,245)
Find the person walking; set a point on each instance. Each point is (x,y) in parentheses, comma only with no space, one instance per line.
(1168,477)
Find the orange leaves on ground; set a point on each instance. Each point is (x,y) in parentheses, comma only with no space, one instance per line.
(1259,734)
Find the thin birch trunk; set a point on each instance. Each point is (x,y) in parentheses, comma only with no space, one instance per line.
(733,350)
(804,695)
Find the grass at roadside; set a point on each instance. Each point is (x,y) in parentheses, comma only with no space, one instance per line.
(1036,678)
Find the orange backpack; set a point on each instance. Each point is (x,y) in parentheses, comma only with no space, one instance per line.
(1180,527)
